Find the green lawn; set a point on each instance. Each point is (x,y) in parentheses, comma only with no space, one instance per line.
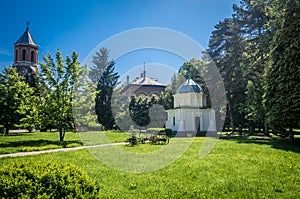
(235,168)
(38,141)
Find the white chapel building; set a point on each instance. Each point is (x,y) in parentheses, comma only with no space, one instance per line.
(190,113)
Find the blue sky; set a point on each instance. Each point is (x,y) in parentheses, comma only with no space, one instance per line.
(82,25)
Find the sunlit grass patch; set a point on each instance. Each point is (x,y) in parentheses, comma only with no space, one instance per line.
(235,168)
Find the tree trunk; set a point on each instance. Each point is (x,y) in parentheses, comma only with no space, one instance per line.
(251,127)
(61,134)
(266,128)
(6,130)
(231,117)
(240,130)
(292,137)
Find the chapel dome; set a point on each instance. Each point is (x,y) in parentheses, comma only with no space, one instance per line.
(189,86)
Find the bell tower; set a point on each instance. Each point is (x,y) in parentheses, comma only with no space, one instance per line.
(26,56)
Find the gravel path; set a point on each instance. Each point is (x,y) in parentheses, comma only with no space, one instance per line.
(59,150)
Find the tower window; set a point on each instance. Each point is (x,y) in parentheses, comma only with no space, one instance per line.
(16,55)
(32,56)
(23,54)
(174,121)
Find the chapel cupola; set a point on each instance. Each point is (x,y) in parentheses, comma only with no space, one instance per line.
(189,95)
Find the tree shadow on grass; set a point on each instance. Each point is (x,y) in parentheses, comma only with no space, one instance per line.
(281,144)
(17,134)
(39,143)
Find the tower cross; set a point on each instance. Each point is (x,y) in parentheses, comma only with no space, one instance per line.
(27,24)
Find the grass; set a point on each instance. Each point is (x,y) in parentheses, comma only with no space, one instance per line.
(142,148)
(38,141)
(235,168)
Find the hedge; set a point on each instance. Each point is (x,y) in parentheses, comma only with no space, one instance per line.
(46,180)
(166,131)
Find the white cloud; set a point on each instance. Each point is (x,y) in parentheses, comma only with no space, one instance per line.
(4,52)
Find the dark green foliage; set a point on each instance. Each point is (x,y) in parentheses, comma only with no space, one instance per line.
(106,86)
(164,131)
(226,47)
(139,111)
(166,99)
(104,75)
(240,46)
(168,132)
(46,180)
(253,107)
(282,97)
(147,113)
(193,69)
(253,19)
(2,129)
(133,140)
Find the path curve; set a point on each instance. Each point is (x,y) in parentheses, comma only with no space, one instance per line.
(59,150)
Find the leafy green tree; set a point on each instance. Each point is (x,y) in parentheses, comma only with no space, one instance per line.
(58,80)
(16,98)
(120,109)
(139,111)
(282,97)
(31,112)
(166,99)
(105,87)
(194,69)
(84,102)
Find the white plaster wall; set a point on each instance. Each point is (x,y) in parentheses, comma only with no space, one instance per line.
(185,119)
(195,100)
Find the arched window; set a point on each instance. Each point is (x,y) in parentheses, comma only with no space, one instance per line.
(16,55)
(32,56)
(23,54)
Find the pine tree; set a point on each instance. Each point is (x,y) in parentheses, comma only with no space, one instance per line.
(101,62)
(282,98)
(226,47)
(106,85)
(253,107)
(253,19)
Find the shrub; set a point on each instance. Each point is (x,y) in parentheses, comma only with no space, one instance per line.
(132,140)
(169,132)
(165,131)
(46,180)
